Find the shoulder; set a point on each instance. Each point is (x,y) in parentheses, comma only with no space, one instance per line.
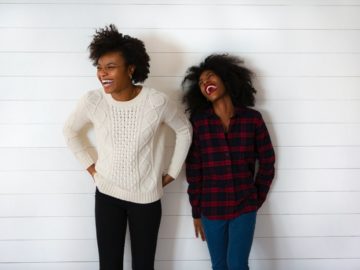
(90,100)
(156,98)
(249,112)
(198,116)
(252,115)
(93,96)
(201,119)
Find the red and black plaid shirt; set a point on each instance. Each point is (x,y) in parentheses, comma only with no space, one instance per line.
(220,168)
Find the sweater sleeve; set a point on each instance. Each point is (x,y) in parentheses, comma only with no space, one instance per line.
(266,157)
(75,129)
(179,123)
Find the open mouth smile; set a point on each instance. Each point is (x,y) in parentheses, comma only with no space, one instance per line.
(106,83)
(210,89)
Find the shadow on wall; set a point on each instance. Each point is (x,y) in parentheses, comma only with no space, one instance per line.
(264,251)
(166,137)
(168,62)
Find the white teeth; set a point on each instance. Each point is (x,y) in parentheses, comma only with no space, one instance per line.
(106,81)
(209,89)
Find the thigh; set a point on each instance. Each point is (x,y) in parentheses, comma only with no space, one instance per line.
(241,234)
(144,223)
(216,233)
(111,222)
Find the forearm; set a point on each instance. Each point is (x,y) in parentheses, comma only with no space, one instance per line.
(183,132)
(75,135)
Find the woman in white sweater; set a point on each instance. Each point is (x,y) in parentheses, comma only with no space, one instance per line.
(127,163)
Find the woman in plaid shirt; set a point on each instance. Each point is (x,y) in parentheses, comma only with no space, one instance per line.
(224,190)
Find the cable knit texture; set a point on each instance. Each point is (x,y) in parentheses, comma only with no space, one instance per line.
(130,147)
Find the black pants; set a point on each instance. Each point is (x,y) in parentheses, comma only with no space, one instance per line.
(111,216)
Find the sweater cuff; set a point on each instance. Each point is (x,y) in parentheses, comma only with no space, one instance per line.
(87,158)
(173,172)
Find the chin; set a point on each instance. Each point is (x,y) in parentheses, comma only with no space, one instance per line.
(107,91)
(213,98)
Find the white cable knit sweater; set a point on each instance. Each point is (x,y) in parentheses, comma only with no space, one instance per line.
(129,143)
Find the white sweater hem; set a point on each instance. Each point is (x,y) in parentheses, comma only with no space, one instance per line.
(115,191)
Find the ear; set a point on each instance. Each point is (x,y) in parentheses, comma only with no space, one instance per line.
(131,70)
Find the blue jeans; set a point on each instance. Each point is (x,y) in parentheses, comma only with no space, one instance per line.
(229,241)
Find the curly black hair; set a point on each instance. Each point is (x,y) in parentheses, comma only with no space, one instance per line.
(236,78)
(108,39)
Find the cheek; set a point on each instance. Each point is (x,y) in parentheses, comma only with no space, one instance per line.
(203,93)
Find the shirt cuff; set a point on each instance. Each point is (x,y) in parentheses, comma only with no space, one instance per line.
(196,213)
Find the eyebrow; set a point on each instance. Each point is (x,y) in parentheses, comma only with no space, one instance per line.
(111,63)
(206,75)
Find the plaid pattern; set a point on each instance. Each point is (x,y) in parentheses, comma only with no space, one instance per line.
(220,168)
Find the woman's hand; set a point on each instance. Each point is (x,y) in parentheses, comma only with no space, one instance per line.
(91,170)
(166,179)
(199,230)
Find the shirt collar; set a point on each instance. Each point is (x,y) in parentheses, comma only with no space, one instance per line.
(238,112)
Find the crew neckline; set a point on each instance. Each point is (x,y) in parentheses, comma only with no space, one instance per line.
(127,103)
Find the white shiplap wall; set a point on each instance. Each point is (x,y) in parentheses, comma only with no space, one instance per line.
(306,55)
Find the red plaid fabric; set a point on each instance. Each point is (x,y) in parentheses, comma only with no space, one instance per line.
(220,168)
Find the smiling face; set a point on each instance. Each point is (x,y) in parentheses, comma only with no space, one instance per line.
(113,73)
(212,86)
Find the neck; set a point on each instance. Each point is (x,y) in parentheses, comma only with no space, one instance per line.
(127,93)
(224,107)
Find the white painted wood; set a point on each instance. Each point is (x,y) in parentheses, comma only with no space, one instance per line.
(35,112)
(81,205)
(32,136)
(316,180)
(182,249)
(282,111)
(47,228)
(38,159)
(71,88)
(190,40)
(174,227)
(318,157)
(308,264)
(278,17)
(39,205)
(288,134)
(278,88)
(315,134)
(196,2)
(305,88)
(271,64)
(46,182)
(299,264)
(51,266)
(71,182)
(314,225)
(48,251)
(33,159)
(274,111)
(306,58)
(276,226)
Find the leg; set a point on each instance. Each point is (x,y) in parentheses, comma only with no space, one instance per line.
(241,234)
(111,223)
(144,223)
(216,233)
